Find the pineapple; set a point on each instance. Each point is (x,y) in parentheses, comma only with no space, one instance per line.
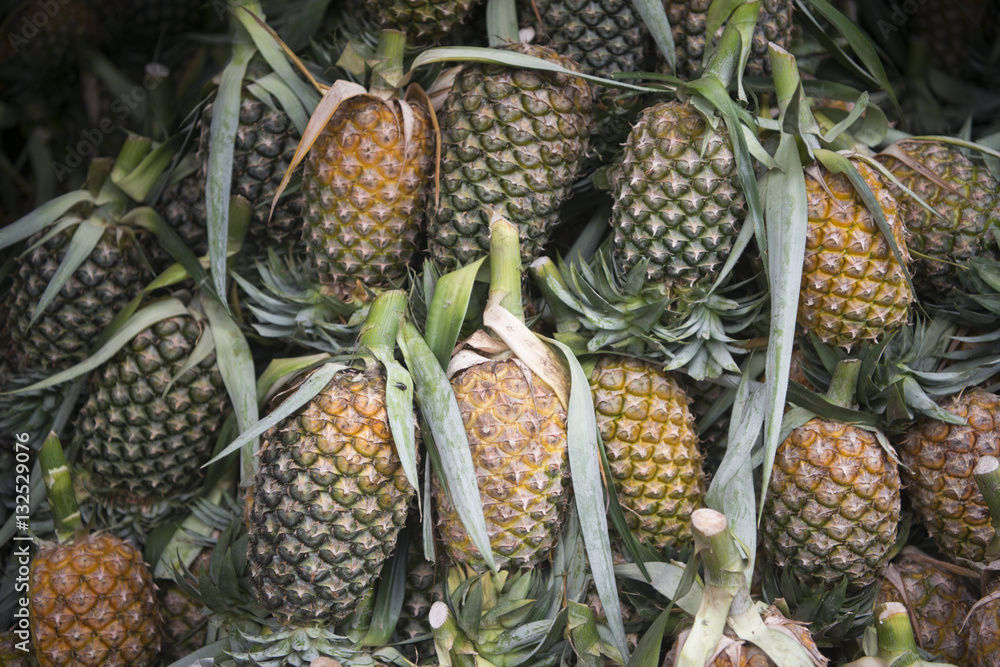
(939,460)
(602,37)
(833,504)
(149,422)
(513,139)
(678,204)
(688,19)
(44,38)
(516,427)
(652,448)
(983,623)
(965,193)
(423,21)
(366,180)
(329,496)
(853,287)
(93,601)
(184,618)
(937,599)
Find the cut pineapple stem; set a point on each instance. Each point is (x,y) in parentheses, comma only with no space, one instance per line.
(382,323)
(722,558)
(896,644)
(388,68)
(59,489)
(987,473)
(844,383)
(505,266)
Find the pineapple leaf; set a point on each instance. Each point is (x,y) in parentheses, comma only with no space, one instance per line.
(446,437)
(647,653)
(272,84)
(218,186)
(501,22)
(388,597)
(270,47)
(583,440)
(308,390)
(447,310)
(140,180)
(43,216)
(528,348)
(666,579)
(236,366)
(654,16)
(399,406)
(84,240)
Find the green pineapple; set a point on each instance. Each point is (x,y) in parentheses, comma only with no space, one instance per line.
(423,21)
(513,139)
(149,422)
(833,504)
(329,496)
(678,204)
(965,193)
(652,448)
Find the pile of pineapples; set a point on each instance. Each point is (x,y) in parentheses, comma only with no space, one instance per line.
(500,333)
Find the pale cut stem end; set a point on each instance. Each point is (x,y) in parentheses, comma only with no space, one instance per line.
(505,265)
(59,488)
(721,556)
(895,634)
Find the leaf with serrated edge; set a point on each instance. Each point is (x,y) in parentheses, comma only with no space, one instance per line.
(306,392)
(440,410)
(86,237)
(583,439)
(42,217)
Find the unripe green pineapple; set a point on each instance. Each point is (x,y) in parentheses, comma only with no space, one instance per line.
(853,288)
(833,505)
(44,38)
(328,500)
(93,602)
(652,448)
(366,182)
(103,284)
(965,193)
(688,22)
(517,431)
(423,20)
(678,204)
(514,140)
(937,599)
(146,428)
(939,460)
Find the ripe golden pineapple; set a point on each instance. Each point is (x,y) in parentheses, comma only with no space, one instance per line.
(939,460)
(366,181)
(93,602)
(937,599)
(652,448)
(517,430)
(853,288)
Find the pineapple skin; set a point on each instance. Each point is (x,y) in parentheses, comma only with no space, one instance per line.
(423,21)
(939,459)
(652,448)
(512,140)
(853,288)
(833,505)
(938,602)
(146,430)
(677,200)
(328,501)
(970,213)
(517,432)
(366,188)
(984,633)
(93,602)
(110,277)
(688,21)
